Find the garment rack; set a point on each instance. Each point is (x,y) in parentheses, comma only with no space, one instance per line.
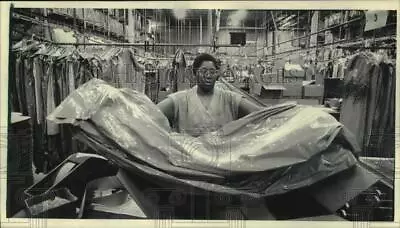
(317,32)
(350,45)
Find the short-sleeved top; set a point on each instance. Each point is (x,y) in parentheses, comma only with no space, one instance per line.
(193,118)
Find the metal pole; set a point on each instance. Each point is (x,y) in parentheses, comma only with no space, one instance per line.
(201,30)
(210,27)
(255,31)
(316,47)
(266,35)
(340,29)
(308,32)
(348,45)
(169,33)
(182,41)
(84,28)
(298,24)
(184,32)
(47,26)
(190,32)
(125,27)
(142,44)
(165,34)
(177,33)
(134,26)
(273,42)
(273,20)
(108,23)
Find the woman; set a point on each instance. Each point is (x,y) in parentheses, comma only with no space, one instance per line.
(204,108)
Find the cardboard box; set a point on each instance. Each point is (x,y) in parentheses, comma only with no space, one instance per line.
(121,201)
(293,90)
(313,91)
(59,203)
(73,173)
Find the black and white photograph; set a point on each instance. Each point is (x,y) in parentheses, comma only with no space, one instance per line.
(183,113)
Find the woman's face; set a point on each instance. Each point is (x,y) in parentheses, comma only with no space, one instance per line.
(207,75)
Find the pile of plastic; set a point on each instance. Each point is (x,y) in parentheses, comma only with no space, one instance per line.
(272,151)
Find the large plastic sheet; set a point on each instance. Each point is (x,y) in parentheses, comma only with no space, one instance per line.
(271,151)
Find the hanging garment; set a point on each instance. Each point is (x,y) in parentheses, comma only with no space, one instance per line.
(310,72)
(19,76)
(341,67)
(40,132)
(162,72)
(257,155)
(354,105)
(71,75)
(173,80)
(13,93)
(52,129)
(335,70)
(30,90)
(367,89)
(380,137)
(39,77)
(152,85)
(183,80)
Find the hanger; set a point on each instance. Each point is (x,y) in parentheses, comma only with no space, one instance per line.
(29,44)
(51,50)
(19,45)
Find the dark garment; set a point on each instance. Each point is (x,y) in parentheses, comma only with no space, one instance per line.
(39,136)
(162,72)
(367,109)
(19,75)
(38,76)
(30,89)
(173,80)
(44,85)
(381,138)
(183,80)
(13,94)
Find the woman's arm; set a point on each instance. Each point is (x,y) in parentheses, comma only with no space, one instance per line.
(246,107)
(167,107)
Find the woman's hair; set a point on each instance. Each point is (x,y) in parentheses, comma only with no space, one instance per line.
(203,58)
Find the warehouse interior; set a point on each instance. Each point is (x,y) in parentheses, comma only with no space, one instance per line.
(82,157)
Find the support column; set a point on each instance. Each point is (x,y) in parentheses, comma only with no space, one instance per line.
(201,30)
(210,27)
(131,27)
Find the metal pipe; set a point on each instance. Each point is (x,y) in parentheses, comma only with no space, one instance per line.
(47,26)
(273,20)
(190,32)
(165,34)
(169,33)
(243,28)
(343,47)
(210,26)
(201,30)
(142,44)
(322,30)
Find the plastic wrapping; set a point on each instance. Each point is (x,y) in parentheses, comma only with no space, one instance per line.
(271,151)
